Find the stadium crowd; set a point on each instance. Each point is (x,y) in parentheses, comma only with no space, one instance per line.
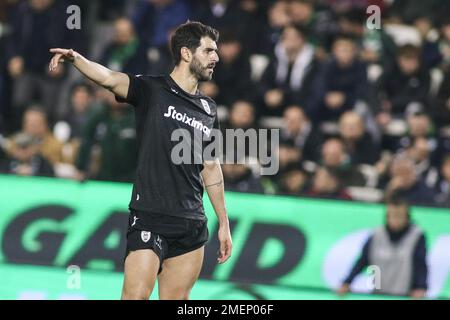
(363,112)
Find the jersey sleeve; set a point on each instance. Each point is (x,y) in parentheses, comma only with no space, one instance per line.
(138,90)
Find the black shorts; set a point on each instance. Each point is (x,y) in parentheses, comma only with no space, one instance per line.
(166,235)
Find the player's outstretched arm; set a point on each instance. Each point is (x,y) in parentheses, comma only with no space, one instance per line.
(213,180)
(117,82)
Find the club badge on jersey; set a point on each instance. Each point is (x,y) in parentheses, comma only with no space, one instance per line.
(145,235)
(205,106)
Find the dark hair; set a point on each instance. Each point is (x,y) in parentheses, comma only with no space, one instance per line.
(409,51)
(229,36)
(189,35)
(81,85)
(355,16)
(337,139)
(398,201)
(345,36)
(36,108)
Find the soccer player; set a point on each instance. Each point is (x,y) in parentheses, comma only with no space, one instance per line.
(167,227)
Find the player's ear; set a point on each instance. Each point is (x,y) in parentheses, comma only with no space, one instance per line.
(186,54)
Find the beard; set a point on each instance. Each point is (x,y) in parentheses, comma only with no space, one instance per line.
(199,71)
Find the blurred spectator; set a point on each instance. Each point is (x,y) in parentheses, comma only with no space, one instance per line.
(404,84)
(4,110)
(407,11)
(377,47)
(109,10)
(420,152)
(241,116)
(288,155)
(74,122)
(404,181)
(344,6)
(318,23)
(81,101)
(25,159)
(294,181)
(443,187)
(298,130)
(126,52)
(232,75)
(398,248)
(155,19)
(224,15)
(444,43)
(278,18)
(359,144)
(37,25)
(289,75)
(326,183)
(112,127)
(6,7)
(431,56)
(255,12)
(441,108)
(35,124)
(240,178)
(160,60)
(335,157)
(289,158)
(342,82)
(419,125)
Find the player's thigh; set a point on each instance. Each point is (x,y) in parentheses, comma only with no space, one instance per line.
(179,274)
(141,269)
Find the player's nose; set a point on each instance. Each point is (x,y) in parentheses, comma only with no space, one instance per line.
(216,57)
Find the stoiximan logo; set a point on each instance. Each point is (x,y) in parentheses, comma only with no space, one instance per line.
(190,121)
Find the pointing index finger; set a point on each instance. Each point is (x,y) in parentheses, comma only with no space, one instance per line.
(57,50)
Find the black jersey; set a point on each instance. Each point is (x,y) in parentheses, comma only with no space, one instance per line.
(161,106)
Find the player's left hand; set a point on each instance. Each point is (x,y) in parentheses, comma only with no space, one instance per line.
(226,244)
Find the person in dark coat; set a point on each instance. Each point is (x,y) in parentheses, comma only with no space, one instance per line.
(24,158)
(359,144)
(289,76)
(402,85)
(298,130)
(126,52)
(341,83)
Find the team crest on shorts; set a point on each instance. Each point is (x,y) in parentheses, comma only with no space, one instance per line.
(205,106)
(145,235)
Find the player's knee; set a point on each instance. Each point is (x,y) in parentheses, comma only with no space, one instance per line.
(137,294)
(176,294)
